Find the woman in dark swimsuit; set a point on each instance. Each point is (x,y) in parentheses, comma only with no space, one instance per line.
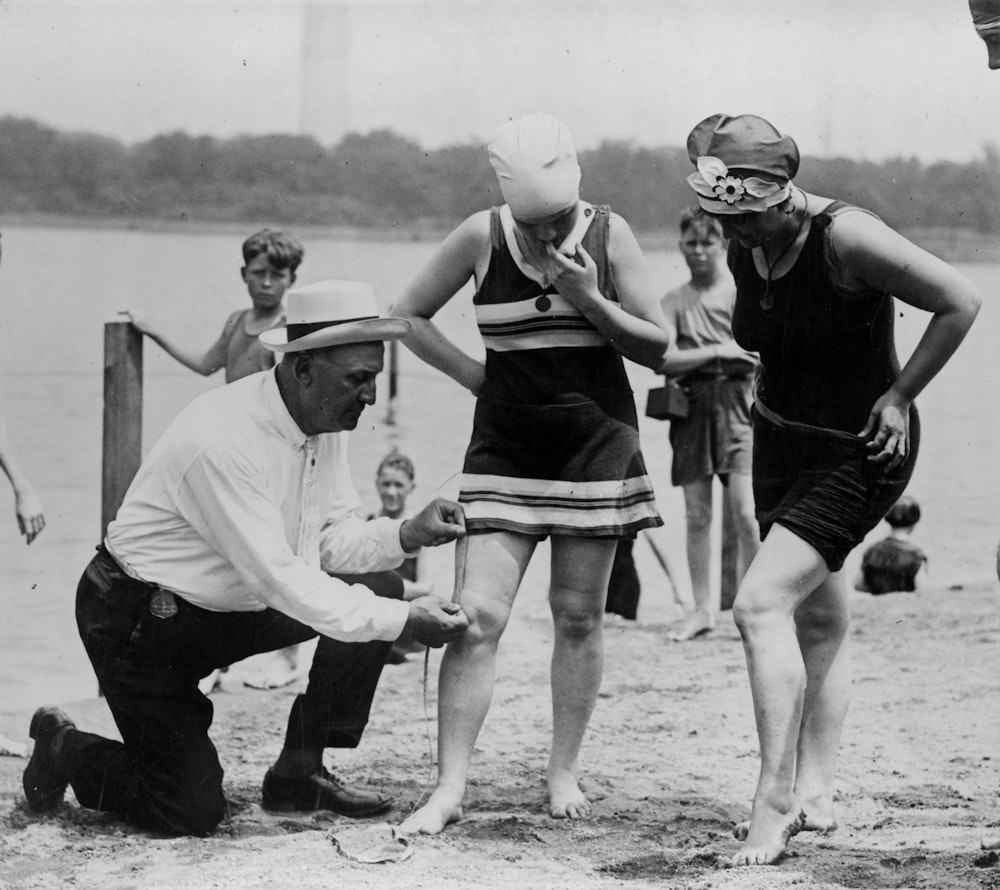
(835,438)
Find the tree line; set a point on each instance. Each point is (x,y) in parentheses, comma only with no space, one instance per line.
(381,179)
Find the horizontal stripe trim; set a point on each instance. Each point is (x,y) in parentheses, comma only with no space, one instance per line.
(595,488)
(555,502)
(548,340)
(615,511)
(541,529)
(512,311)
(538,324)
(496,513)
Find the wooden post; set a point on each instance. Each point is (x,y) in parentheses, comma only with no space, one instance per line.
(390,414)
(729,579)
(122,414)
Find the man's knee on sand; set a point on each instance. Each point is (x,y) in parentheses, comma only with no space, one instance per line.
(196,811)
(193,808)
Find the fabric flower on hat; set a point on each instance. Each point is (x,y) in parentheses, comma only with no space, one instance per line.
(721,191)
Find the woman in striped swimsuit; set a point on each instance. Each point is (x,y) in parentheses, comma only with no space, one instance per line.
(561,295)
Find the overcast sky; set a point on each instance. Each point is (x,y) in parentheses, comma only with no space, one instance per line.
(861,78)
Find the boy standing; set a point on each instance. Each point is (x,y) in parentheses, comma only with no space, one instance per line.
(271,259)
(715,438)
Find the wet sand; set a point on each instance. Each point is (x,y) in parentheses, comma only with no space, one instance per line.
(671,760)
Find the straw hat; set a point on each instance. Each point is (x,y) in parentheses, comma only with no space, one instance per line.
(332,313)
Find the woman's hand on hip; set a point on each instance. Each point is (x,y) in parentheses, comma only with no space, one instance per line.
(888,430)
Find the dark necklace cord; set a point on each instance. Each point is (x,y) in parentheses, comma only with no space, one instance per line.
(767,300)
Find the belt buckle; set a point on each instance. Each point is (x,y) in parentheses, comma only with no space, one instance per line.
(162,604)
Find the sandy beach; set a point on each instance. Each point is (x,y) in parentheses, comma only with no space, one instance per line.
(670,761)
(671,756)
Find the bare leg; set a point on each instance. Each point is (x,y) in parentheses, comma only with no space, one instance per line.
(698,510)
(739,493)
(580,570)
(785,572)
(822,622)
(495,563)
(678,577)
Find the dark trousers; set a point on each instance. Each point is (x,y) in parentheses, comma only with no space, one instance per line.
(166,775)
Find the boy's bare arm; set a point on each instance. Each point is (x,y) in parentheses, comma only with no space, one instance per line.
(204,363)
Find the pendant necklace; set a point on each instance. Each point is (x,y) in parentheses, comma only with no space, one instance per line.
(767,300)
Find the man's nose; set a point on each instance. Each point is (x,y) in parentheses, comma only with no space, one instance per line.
(368,394)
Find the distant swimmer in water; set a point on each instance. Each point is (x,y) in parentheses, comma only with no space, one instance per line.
(835,438)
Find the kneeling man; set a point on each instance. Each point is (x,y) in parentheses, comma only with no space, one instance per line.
(243,533)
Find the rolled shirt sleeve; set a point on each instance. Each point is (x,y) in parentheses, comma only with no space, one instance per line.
(226,498)
(349,543)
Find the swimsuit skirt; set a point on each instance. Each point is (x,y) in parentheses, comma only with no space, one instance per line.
(555,441)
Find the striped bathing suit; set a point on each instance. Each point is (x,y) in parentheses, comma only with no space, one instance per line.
(555,442)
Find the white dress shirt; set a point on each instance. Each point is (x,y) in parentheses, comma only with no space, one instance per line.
(221,509)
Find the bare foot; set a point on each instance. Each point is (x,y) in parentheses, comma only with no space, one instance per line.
(697,624)
(817,814)
(992,843)
(566,800)
(742,829)
(767,837)
(432,818)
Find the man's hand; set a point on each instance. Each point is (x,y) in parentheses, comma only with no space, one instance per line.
(434,621)
(439,522)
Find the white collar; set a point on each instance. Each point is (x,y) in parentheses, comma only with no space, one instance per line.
(584,217)
(278,410)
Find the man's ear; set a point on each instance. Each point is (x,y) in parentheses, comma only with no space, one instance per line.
(302,367)
(243,274)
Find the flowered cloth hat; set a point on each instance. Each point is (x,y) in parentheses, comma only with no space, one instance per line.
(744,163)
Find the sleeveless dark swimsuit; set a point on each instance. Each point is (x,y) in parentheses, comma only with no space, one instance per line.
(826,356)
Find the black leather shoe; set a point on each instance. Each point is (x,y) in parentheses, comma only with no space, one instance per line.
(320,791)
(45,778)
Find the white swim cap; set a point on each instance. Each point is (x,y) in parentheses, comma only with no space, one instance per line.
(535,162)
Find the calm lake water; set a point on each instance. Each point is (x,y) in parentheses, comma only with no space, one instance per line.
(59,286)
